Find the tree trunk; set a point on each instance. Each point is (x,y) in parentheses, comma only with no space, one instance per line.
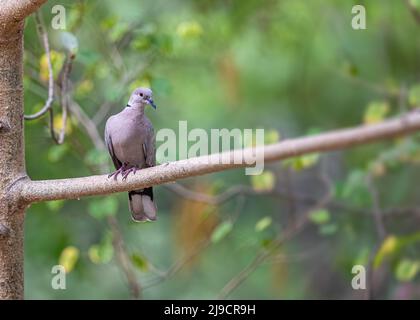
(12,165)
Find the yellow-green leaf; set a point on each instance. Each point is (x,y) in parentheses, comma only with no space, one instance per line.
(271,136)
(388,247)
(55,205)
(102,252)
(407,269)
(140,262)
(302,162)
(68,258)
(319,216)
(414,96)
(221,231)
(263,182)
(263,224)
(189,29)
(376,112)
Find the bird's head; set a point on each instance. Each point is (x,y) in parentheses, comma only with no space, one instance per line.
(142,96)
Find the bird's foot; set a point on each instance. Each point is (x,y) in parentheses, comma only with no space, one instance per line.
(121,171)
(128,171)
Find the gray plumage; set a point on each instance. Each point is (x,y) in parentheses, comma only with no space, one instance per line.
(130,139)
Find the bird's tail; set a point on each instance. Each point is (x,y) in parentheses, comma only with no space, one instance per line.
(141,205)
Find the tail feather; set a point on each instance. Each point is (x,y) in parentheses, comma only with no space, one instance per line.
(141,205)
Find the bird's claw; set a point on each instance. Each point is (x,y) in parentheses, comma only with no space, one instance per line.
(128,171)
(121,171)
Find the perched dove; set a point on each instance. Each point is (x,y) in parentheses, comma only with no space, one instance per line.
(130,140)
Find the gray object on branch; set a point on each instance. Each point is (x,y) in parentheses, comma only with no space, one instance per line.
(130,141)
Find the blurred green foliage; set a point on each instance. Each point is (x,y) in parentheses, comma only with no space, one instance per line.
(292,67)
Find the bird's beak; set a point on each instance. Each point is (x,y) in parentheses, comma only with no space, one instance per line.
(152,103)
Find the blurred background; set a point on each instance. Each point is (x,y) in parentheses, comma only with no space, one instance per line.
(292,68)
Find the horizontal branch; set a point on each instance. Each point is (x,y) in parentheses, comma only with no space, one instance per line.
(73,188)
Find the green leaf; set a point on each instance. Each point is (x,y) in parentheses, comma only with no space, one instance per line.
(140,262)
(302,162)
(55,205)
(407,269)
(56,153)
(267,243)
(376,112)
(350,69)
(263,182)
(393,245)
(271,136)
(103,208)
(221,231)
(263,224)
(389,246)
(414,96)
(189,30)
(319,216)
(102,252)
(68,258)
(328,229)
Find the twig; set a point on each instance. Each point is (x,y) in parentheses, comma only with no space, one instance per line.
(64,94)
(377,214)
(294,228)
(44,37)
(178,265)
(123,258)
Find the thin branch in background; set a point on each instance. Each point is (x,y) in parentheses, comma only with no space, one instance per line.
(293,229)
(123,258)
(378,220)
(291,202)
(377,212)
(64,98)
(44,37)
(178,265)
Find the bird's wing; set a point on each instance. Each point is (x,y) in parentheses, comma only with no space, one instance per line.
(108,142)
(149,147)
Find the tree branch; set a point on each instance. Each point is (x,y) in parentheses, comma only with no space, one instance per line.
(44,37)
(45,190)
(12,11)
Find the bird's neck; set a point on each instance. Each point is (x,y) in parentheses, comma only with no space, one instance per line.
(138,108)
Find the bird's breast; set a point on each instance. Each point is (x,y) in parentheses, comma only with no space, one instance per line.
(127,141)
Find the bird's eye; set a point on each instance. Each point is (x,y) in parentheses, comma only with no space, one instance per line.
(141,94)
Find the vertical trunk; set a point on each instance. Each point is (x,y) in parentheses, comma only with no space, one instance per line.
(11,162)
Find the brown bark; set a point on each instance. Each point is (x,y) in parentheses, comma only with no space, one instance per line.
(12,164)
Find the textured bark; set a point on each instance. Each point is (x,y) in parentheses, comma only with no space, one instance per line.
(12,166)
(35,191)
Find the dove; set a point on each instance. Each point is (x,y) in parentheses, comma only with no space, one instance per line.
(129,137)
